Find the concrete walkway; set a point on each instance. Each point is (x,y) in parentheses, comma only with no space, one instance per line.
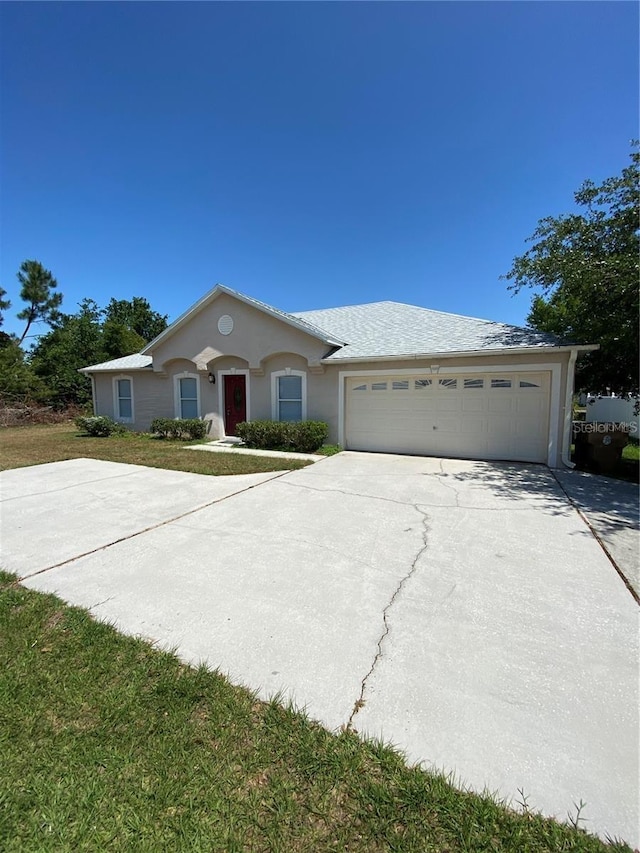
(463,611)
(611,508)
(226,447)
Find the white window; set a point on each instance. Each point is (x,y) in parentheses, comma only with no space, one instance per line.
(123,399)
(289,395)
(187,395)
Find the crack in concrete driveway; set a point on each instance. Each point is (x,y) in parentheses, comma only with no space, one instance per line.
(360,701)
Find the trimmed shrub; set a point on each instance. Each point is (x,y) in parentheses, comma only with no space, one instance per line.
(99,426)
(310,435)
(161,427)
(195,428)
(179,428)
(302,437)
(264,435)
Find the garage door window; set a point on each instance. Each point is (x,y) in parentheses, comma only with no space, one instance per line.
(378,386)
(400,385)
(501,383)
(422,384)
(473,383)
(449,384)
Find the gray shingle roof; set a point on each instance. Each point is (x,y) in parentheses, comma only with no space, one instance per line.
(380,329)
(127,362)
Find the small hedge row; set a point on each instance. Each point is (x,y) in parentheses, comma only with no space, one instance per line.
(99,426)
(302,437)
(185,428)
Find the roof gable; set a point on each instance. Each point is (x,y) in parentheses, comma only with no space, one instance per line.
(296,322)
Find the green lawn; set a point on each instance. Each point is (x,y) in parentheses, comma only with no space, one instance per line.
(110,744)
(33,445)
(631,452)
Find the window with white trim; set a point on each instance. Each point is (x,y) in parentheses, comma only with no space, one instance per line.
(187,393)
(123,399)
(289,395)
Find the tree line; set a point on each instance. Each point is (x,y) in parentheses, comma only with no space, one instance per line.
(584,266)
(47,372)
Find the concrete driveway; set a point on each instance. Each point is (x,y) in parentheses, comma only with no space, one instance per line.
(462,611)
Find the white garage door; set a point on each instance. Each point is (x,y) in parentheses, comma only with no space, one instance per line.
(473,416)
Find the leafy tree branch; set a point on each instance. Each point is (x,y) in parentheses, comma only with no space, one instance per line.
(586,268)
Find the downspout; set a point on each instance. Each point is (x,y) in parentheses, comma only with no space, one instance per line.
(568,411)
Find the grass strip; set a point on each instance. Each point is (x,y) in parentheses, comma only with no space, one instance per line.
(34,445)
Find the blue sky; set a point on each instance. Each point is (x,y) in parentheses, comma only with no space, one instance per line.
(308,154)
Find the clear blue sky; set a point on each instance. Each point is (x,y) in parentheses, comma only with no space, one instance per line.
(308,154)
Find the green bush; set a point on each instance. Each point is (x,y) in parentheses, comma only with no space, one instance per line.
(161,427)
(99,426)
(310,435)
(302,437)
(179,428)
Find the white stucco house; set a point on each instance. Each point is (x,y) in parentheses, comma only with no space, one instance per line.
(385,376)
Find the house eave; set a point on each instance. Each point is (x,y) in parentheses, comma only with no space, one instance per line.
(90,370)
(484,353)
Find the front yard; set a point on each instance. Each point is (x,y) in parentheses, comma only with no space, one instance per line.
(110,744)
(33,445)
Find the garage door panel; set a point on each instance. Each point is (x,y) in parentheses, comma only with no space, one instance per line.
(500,404)
(502,427)
(481,416)
(444,403)
(422,407)
(531,406)
(473,403)
(474,426)
(448,425)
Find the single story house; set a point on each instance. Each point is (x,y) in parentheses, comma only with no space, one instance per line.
(385,376)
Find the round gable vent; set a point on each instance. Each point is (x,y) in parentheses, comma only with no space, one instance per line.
(225,324)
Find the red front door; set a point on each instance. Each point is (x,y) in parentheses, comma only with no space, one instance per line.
(235,403)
